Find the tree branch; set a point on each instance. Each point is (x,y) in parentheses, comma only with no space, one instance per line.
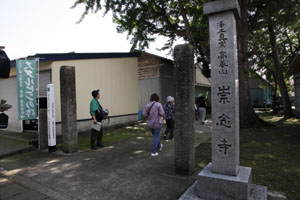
(198,48)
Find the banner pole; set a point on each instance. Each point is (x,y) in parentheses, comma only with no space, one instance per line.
(38,102)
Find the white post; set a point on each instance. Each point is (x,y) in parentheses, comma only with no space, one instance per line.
(51,118)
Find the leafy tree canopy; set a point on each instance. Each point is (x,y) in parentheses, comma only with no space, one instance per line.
(284,18)
(144,20)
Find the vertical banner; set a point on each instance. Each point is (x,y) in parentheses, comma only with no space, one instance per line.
(27,89)
(51,116)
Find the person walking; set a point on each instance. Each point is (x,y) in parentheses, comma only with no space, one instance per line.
(169,108)
(201,105)
(96,107)
(154,112)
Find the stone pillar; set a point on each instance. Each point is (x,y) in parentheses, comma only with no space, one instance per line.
(184,106)
(224,178)
(43,128)
(224,88)
(68,109)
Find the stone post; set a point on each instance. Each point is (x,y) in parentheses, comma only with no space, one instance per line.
(224,86)
(184,106)
(224,178)
(43,128)
(68,109)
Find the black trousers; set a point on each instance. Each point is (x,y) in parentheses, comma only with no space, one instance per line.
(170,128)
(96,136)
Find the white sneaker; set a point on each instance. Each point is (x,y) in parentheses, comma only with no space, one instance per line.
(154,154)
(161,146)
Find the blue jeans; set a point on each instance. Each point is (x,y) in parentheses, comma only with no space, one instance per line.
(156,135)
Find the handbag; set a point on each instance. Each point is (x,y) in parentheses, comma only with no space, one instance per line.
(101,114)
(148,112)
(98,115)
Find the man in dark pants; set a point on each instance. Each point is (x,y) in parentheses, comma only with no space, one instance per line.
(94,107)
(201,108)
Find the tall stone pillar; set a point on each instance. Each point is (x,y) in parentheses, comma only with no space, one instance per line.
(68,109)
(224,86)
(43,123)
(224,178)
(184,106)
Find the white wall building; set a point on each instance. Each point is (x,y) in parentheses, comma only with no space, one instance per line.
(115,74)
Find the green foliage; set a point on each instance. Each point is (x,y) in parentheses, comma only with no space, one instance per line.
(272,153)
(145,20)
(284,18)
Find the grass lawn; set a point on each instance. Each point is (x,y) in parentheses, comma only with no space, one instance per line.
(113,135)
(7,142)
(271,152)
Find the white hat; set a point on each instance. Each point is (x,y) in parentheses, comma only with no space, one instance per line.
(170,98)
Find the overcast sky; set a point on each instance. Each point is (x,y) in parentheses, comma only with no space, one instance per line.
(28,27)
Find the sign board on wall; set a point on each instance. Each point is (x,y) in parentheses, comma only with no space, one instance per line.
(51,115)
(27,89)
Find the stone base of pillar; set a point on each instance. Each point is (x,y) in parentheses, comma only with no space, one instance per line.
(211,186)
(218,186)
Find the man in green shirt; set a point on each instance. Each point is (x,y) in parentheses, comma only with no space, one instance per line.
(94,107)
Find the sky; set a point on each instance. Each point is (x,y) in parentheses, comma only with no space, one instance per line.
(28,27)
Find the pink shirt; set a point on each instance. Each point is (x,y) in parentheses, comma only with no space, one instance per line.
(155,115)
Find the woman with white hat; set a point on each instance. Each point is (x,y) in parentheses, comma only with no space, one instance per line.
(169,115)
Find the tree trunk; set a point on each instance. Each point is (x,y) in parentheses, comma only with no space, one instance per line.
(279,74)
(274,96)
(248,117)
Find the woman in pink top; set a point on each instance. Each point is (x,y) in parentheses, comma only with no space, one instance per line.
(154,112)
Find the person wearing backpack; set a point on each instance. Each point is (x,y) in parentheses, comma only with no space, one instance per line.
(95,111)
(154,112)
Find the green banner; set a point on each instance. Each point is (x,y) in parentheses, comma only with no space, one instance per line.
(27,89)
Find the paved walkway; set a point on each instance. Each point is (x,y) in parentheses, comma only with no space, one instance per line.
(124,170)
(14,191)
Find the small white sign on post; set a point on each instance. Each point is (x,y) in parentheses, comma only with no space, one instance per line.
(51,117)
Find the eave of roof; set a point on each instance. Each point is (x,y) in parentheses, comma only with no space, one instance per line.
(79,56)
(48,57)
(160,57)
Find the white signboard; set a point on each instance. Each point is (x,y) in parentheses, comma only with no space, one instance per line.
(51,115)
